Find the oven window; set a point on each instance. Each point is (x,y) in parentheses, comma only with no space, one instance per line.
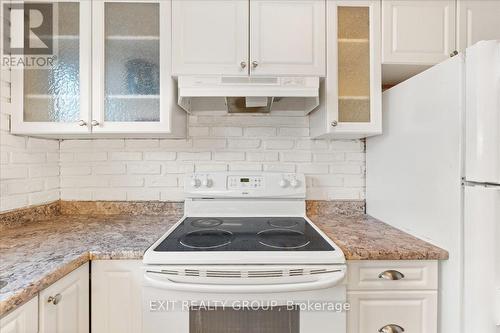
(279,319)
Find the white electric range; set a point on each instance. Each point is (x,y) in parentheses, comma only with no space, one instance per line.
(244,258)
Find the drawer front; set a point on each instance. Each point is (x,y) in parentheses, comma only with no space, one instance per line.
(371,312)
(392,275)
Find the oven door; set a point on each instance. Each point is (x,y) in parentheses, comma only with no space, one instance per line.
(244,299)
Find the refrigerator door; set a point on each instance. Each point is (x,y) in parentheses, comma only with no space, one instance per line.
(483,112)
(481,259)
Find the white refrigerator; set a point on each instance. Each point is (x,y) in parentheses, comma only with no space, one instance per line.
(435,172)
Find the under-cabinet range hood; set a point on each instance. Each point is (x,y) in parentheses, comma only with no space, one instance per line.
(243,94)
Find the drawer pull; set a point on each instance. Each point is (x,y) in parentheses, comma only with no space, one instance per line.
(392,328)
(391,275)
(54,299)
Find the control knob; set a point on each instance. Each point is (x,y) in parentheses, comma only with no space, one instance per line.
(207,182)
(283,183)
(195,182)
(294,183)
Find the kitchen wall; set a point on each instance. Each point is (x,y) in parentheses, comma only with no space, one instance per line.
(153,169)
(29,169)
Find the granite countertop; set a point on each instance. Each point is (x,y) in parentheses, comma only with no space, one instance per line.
(36,254)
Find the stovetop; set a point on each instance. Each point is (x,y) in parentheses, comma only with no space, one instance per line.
(216,234)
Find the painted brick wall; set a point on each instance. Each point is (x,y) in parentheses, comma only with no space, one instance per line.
(29,169)
(153,169)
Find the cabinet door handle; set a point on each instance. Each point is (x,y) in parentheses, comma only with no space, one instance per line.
(391,275)
(54,299)
(243,64)
(392,328)
(94,123)
(255,64)
(82,123)
(334,123)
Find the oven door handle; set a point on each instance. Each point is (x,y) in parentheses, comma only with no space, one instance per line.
(156,280)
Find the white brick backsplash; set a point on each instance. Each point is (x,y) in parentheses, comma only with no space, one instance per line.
(227,131)
(204,156)
(144,168)
(294,132)
(126,181)
(199,131)
(17,158)
(126,156)
(109,194)
(29,169)
(160,156)
(328,157)
(296,156)
(315,168)
(35,171)
(208,167)
(260,131)
(229,156)
(209,143)
(162,181)
(279,144)
(263,157)
(15,172)
(76,170)
(110,168)
(93,156)
(243,143)
(134,144)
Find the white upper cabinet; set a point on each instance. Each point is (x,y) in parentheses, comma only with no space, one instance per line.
(112,75)
(477,20)
(56,99)
(210,37)
(417,32)
(287,37)
(351,93)
(64,306)
(249,37)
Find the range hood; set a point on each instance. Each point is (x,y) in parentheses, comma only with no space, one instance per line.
(244,94)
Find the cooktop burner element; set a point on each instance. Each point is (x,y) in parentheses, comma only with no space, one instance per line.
(243,234)
(206,223)
(282,223)
(282,238)
(206,239)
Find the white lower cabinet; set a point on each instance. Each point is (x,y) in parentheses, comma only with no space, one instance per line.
(392,296)
(116,296)
(64,306)
(393,312)
(24,319)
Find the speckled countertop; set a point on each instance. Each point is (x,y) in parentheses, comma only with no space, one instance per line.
(34,255)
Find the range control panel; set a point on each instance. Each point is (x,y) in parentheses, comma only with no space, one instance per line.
(245,184)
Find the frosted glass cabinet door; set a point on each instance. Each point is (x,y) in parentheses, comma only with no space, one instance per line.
(55,98)
(354,79)
(130,83)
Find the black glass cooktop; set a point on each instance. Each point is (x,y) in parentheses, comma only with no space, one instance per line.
(244,234)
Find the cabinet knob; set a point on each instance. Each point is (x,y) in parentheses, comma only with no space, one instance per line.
(243,64)
(454,53)
(391,275)
(334,123)
(54,299)
(94,123)
(392,328)
(255,64)
(82,123)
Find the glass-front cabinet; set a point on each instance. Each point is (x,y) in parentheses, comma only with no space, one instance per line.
(351,93)
(51,90)
(111,74)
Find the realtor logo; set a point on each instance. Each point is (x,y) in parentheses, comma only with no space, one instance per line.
(28,35)
(30,30)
